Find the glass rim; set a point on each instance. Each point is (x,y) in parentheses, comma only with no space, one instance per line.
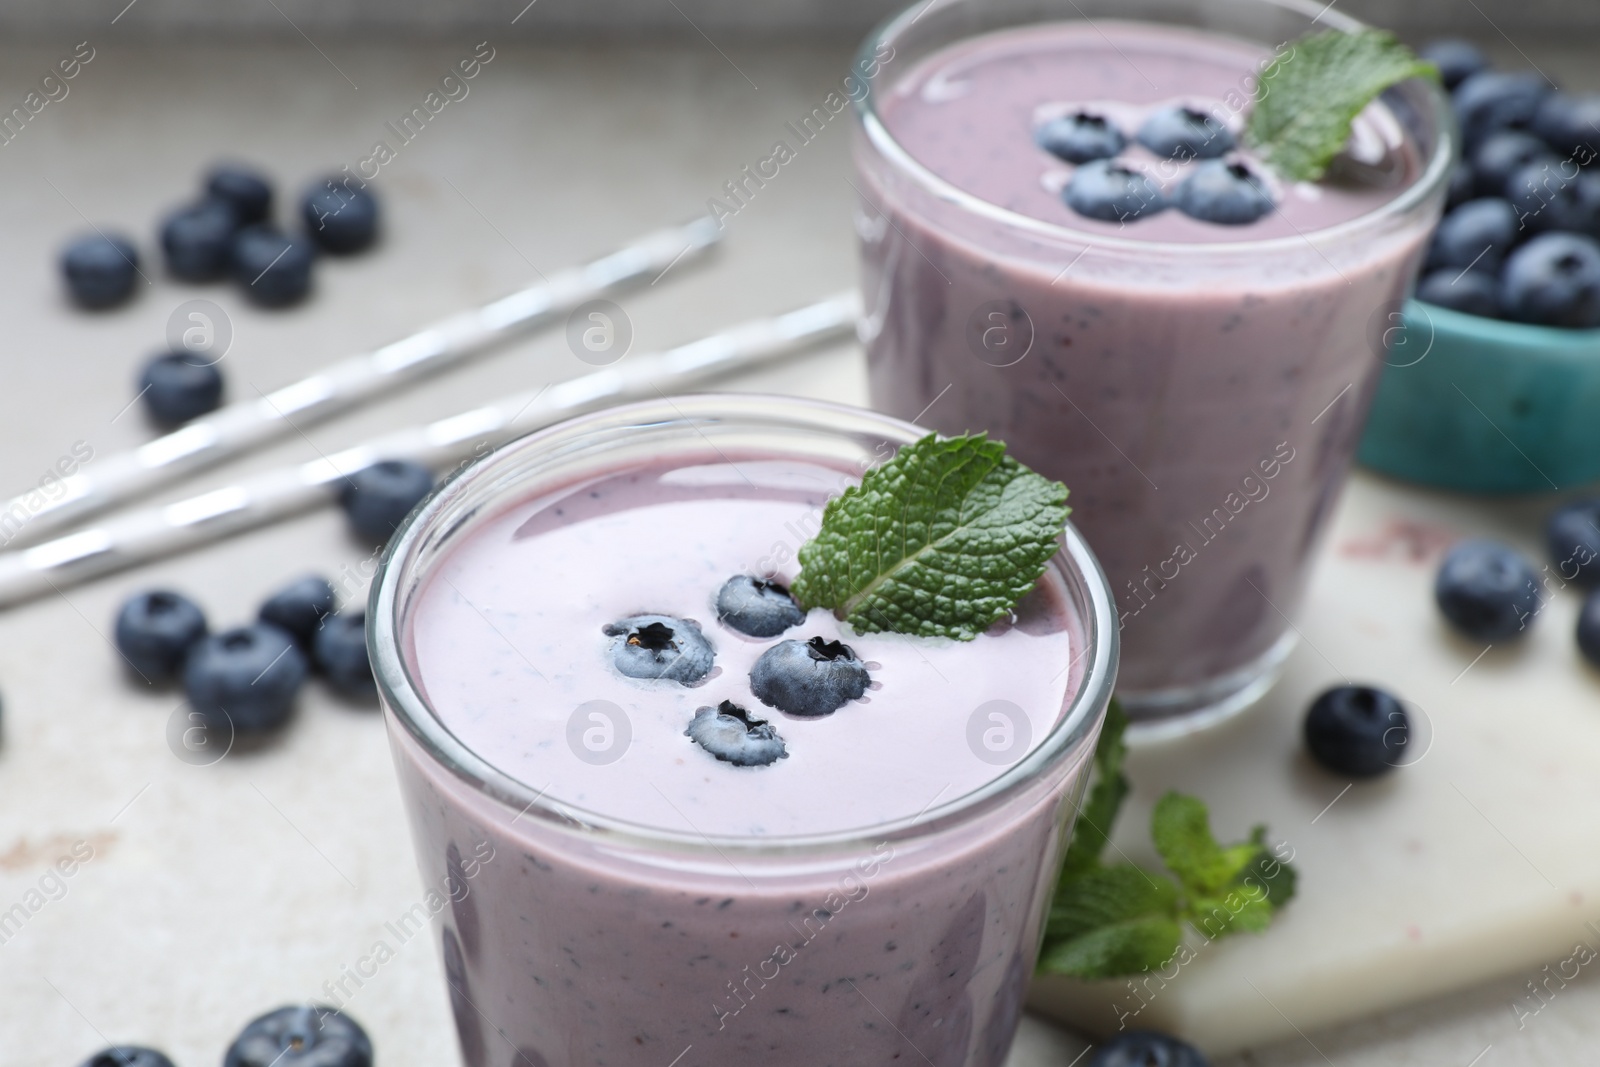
(1433,177)
(403,701)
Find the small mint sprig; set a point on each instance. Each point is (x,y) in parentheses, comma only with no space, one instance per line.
(940,541)
(1306,100)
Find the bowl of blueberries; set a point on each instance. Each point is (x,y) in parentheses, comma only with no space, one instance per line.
(1495,383)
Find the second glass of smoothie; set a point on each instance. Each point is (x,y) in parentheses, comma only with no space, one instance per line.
(1200,387)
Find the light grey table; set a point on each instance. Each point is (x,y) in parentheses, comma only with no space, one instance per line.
(215,893)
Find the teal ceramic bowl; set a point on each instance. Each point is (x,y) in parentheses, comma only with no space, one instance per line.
(1485,406)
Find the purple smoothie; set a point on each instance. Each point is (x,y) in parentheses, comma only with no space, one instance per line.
(865,899)
(1199,387)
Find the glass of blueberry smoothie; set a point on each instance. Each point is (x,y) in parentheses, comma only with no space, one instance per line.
(683,818)
(1069,241)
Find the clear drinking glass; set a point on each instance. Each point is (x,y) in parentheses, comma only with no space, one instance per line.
(571,938)
(1201,400)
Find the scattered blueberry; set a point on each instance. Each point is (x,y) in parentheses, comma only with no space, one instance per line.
(1473,292)
(1222,192)
(660,646)
(1356,730)
(1185,133)
(808,678)
(1570,124)
(757,607)
(299,607)
(1492,100)
(729,733)
(1589,628)
(1456,59)
(1572,537)
(155,631)
(197,240)
(1504,153)
(1487,591)
(377,498)
(339,651)
(1554,279)
(128,1056)
(1463,186)
(1111,192)
(177,387)
(246,677)
(1555,196)
(1081,137)
(340,219)
(1146,1048)
(274,269)
(1477,234)
(301,1036)
(99,269)
(245,189)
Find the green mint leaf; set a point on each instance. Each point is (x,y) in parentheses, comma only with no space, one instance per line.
(940,541)
(1099,812)
(1181,829)
(1112,951)
(1279,879)
(1239,910)
(1107,896)
(1306,100)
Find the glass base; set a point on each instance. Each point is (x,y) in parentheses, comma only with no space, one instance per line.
(1163,714)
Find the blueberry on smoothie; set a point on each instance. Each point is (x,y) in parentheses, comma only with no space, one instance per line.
(155,631)
(1081,137)
(1477,234)
(1456,59)
(377,498)
(197,240)
(809,678)
(273,269)
(339,651)
(1185,133)
(301,1036)
(340,219)
(1108,191)
(1146,1048)
(178,386)
(1589,628)
(1553,280)
(99,269)
(729,733)
(1504,153)
(1490,101)
(1487,591)
(128,1056)
(1473,292)
(1226,193)
(246,677)
(1356,730)
(757,607)
(1555,197)
(659,646)
(242,188)
(1572,537)
(1568,122)
(299,607)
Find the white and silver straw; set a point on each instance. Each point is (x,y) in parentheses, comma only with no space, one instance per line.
(162,531)
(247,423)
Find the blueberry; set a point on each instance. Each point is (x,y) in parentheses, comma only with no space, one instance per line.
(1463,186)
(245,189)
(1589,628)
(245,678)
(1489,101)
(729,733)
(1226,193)
(1554,279)
(757,607)
(299,607)
(178,386)
(273,269)
(1145,1048)
(659,646)
(339,651)
(1572,537)
(340,219)
(377,498)
(1185,133)
(301,1036)
(198,240)
(128,1056)
(1456,59)
(1570,124)
(1356,730)
(1473,292)
(1108,191)
(1501,155)
(1477,234)
(1487,591)
(1081,137)
(99,269)
(1556,197)
(155,631)
(808,678)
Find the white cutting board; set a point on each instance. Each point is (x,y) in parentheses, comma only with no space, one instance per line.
(1480,859)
